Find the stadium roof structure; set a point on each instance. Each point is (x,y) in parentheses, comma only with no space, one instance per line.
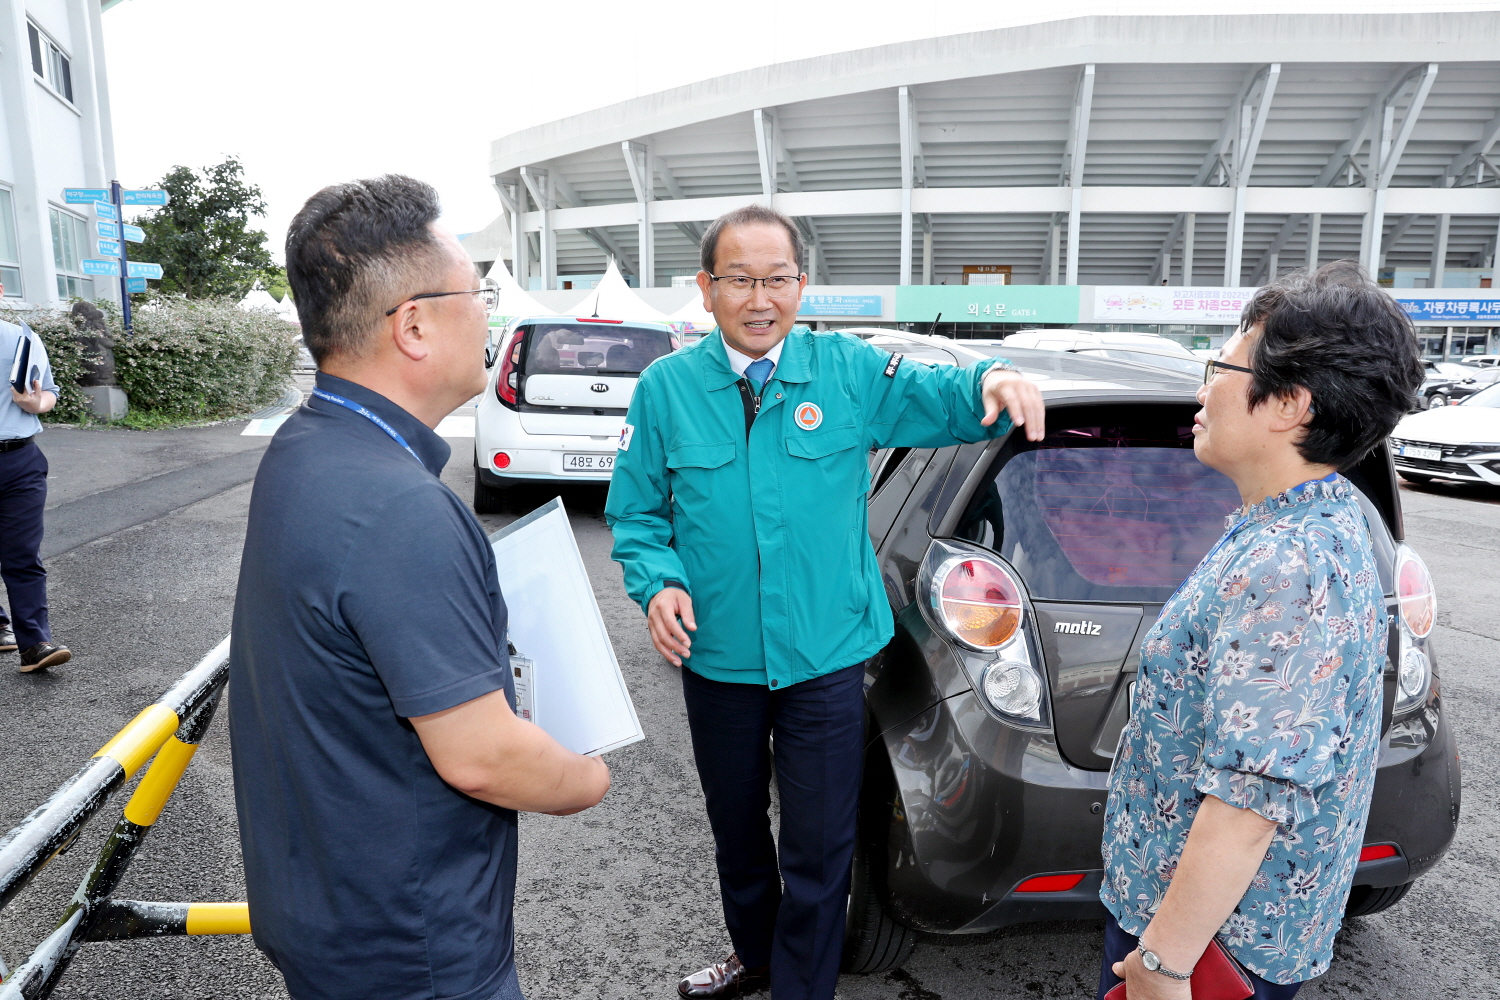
(1096,150)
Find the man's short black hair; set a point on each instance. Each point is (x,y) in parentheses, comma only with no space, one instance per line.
(1349,344)
(750,215)
(355,250)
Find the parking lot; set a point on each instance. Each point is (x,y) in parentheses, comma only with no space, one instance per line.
(621,900)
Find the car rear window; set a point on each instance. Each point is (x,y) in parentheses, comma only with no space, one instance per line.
(1110,506)
(592,349)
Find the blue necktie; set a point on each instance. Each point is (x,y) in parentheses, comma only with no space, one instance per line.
(758,371)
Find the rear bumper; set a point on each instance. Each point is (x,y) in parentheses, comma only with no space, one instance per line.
(510,477)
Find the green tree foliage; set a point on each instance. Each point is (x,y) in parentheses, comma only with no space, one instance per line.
(202,238)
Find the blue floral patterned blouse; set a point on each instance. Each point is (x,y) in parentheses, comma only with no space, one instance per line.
(1260,684)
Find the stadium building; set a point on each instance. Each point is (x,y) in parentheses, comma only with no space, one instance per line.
(1121,171)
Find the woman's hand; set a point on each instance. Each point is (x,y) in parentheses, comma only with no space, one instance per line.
(1143,984)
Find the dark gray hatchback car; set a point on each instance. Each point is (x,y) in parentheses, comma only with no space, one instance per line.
(1022,577)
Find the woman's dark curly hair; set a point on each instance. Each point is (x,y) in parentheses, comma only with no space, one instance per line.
(1337,334)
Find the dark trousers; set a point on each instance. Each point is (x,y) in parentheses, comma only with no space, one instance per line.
(1118,944)
(23,495)
(788,915)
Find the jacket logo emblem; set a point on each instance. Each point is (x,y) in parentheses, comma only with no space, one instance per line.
(600,387)
(1079,628)
(808,416)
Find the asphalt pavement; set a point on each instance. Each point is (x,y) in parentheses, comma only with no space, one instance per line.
(145,531)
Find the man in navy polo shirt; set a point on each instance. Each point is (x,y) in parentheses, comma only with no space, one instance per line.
(377,761)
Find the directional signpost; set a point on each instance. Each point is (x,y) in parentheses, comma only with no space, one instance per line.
(112,234)
(83,196)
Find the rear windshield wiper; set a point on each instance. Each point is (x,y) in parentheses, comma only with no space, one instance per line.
(617,371)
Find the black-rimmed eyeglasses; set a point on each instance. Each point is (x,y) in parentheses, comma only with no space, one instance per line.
(1210,366)
(488,295)
(740,286)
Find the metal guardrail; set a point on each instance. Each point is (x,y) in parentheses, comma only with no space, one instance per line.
(170,731)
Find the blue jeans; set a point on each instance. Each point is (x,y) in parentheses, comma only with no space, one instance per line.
(819,728)
(1118,944)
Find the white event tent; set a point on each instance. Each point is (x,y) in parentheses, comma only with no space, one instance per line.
(612,298)
(514,302)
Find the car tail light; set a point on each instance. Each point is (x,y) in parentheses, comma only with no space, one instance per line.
(501,460)
(596,319)
(975,601)
(508,379)
(1418,614)
(1051,883)
(980,602)
(1414,590)
(1374,852)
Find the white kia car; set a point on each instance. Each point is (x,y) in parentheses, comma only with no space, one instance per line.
(555,403)
(1459,442)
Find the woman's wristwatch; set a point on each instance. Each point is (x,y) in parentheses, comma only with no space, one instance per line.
(1153,964)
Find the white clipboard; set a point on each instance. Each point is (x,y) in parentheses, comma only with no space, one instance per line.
(577,692)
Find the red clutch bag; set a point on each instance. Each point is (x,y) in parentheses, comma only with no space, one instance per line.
(1217,976)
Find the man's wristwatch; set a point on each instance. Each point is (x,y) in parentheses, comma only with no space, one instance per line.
(1153,964)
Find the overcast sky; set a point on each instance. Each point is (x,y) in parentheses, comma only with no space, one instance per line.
(309,92)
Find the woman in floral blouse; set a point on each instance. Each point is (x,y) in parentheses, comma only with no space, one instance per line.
(1256,717)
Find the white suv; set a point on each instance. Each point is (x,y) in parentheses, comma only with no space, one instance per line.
(555,404)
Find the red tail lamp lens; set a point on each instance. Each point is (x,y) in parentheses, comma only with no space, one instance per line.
(1374,852)
(981,603)
(501,460)
(1051,883)
(507,379)
(1414,588)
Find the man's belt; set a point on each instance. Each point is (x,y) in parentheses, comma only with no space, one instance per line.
(15,443)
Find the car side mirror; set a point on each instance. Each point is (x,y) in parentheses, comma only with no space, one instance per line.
(489,356)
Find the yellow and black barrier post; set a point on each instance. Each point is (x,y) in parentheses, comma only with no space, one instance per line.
(171,730)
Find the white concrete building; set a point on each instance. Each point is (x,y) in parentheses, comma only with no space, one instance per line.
(54,104)
(1130,150)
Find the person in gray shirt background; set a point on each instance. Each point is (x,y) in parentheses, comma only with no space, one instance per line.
(23,495)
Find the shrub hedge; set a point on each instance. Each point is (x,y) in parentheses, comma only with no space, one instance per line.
(203,358)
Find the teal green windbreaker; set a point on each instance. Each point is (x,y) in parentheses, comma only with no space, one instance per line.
(769,534)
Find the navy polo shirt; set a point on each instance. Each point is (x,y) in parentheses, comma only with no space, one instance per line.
(367,595)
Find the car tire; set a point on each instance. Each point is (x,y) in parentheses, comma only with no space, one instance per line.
(487,499)
(1365,900)
(1436,400)
(873,942)
(1413,477)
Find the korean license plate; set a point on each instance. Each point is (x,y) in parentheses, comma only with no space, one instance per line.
(588,463)
(1427,454)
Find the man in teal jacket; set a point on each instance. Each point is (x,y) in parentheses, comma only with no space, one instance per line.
(738,510)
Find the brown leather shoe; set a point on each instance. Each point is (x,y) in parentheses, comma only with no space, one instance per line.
(724,979)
